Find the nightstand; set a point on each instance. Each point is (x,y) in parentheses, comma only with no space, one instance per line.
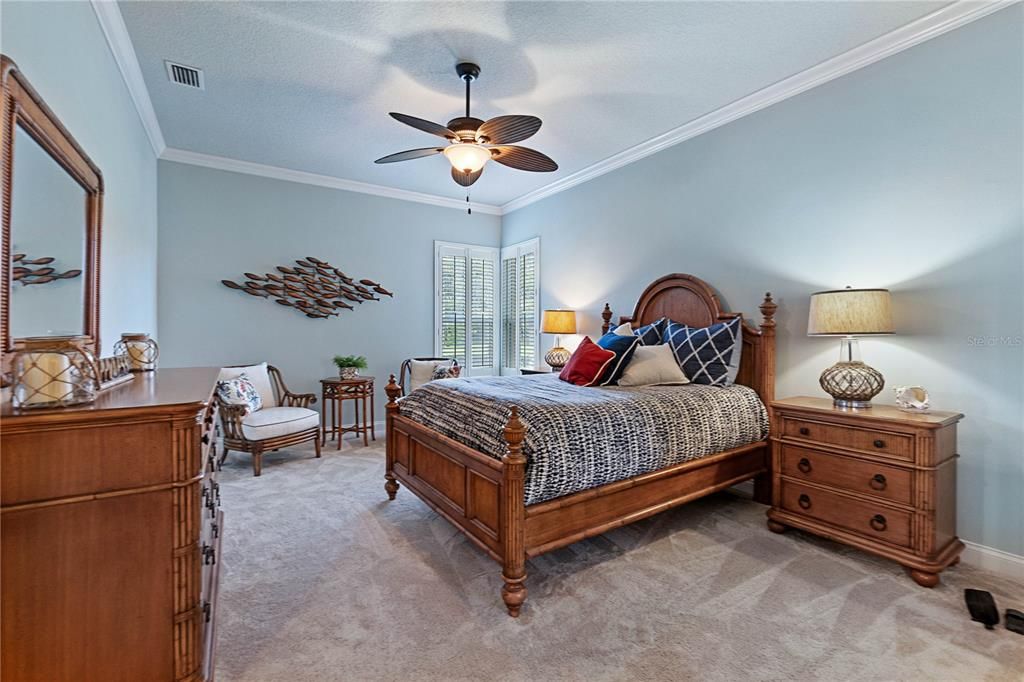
(534,371)
(879,479)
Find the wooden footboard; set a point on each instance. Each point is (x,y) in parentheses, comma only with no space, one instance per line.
(484,497)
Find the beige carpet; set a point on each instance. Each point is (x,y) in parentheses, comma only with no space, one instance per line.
(323,579)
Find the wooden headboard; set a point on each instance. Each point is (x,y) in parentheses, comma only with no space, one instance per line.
(691,301)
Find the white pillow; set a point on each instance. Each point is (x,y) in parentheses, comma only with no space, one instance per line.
(422,371)
(653,365)
(258,376)
(624,330)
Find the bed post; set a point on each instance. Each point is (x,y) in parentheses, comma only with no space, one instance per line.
(766,383)
(393,390)
(513,517)
(606,315)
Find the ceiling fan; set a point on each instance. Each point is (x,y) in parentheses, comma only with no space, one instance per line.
(473,142)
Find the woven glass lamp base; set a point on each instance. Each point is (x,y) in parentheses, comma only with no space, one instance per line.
(851,384)
(557,357)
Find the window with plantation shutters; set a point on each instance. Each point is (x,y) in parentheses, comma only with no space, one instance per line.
(466,285)
(520,306)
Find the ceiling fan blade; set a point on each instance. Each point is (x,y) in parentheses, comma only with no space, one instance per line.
(410,154)
(466,179)
(507,129)
(523,158)
(425,126)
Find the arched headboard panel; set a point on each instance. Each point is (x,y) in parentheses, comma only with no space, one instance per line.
(691,301)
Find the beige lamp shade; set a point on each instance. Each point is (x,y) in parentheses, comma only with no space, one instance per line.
(852,312)
(559,322)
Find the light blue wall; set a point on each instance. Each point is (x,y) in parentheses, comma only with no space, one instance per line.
(216,225)
(60,48)
(906,174)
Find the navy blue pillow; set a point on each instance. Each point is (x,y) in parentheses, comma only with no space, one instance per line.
(652,334)
(623,347)
(707,355)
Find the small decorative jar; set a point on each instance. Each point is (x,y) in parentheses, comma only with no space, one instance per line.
(141,350)
(347,373)
(53,371)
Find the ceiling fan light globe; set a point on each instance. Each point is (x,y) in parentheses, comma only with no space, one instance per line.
(466,157)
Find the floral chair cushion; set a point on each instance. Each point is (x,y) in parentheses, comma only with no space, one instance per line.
(239,391)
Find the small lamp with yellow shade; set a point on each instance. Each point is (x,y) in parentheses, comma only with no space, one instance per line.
(850,313)
(558,322)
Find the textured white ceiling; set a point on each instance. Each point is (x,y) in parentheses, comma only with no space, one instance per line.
(308,85)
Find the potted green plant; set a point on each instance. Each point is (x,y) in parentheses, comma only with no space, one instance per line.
(349,365)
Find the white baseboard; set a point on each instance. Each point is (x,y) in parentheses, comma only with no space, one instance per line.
(1003,564)
(993,560)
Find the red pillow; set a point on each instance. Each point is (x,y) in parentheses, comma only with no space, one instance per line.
(587,364)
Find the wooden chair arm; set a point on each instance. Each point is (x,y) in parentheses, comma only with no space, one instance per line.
(231,417)
(290,399)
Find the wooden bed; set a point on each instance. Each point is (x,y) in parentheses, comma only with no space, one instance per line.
(484,496)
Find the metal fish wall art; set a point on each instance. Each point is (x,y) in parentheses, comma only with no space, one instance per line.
(313,288)
(26,275)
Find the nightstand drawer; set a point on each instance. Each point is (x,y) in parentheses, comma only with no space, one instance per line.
(860,516)
(855,475)
(867,440)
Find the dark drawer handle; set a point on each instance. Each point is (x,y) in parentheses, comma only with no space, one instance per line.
(804,501)
(879,443)
(804,431)
(877,482)
(878,522)
(209,555)
(804,465)
(207,611)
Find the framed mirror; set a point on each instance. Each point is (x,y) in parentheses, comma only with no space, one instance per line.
(52,213)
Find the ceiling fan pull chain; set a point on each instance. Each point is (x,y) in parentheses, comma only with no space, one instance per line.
(469,207)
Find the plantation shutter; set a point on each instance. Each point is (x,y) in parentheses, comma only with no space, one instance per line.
(520,306)
(466,306)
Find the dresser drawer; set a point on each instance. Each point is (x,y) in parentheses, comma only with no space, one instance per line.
(855,475)
(860,516)
(867,440)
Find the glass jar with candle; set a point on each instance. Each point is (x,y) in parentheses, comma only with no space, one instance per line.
(53,371)
(141,350)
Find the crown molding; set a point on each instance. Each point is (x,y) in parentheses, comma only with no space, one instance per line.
(116,33)
(289,175)
(918,31)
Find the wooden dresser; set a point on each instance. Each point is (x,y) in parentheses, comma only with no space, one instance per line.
(879,479)
(111,534)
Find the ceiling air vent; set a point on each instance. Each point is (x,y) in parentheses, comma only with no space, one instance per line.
(189,76)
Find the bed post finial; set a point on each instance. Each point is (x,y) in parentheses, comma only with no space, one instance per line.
(394,391)
(768,308)
(513,521)
(606,315)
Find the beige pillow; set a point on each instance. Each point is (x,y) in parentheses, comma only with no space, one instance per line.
(653,365)
(422,371)
(624,330)
(258,376)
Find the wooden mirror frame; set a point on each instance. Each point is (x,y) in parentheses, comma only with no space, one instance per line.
(22,105)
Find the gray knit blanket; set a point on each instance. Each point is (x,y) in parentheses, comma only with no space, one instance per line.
(583,437)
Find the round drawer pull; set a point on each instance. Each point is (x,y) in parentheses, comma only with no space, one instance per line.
(804,431)
(879,443)
(878,522)
(804,501)
(878,482)
(804,465)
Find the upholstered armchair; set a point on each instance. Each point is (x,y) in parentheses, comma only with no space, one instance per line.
(284,419)
(417,371)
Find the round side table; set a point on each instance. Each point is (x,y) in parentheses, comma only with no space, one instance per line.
(334,392)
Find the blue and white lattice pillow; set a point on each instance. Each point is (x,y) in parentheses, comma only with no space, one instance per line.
(652,334)
(239,391)
(707,355)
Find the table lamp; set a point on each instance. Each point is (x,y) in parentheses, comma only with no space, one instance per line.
(850,313)
(558,322)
